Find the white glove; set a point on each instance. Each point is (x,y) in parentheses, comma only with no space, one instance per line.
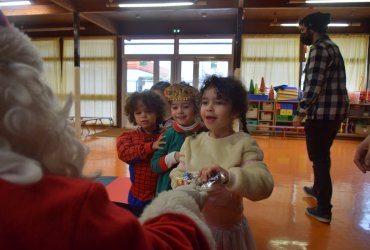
(185,200)
(199,196)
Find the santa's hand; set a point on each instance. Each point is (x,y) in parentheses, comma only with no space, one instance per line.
(199,196)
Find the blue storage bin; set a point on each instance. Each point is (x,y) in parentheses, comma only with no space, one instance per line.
(258,97)
(286,105)
(251,122)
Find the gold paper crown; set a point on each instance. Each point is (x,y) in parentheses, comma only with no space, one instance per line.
(180,92)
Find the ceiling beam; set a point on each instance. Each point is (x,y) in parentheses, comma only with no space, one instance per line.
(33,10)
(103,23)
(66,4)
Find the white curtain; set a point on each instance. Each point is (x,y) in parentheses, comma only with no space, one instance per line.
(354,51)
(49,51)
(274,57)
(98,76)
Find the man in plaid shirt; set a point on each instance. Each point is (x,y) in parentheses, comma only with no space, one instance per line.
(324,104)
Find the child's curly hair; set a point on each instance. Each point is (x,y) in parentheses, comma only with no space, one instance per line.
(152,102)
(231,90)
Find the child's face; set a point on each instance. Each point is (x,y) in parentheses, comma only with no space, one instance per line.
(216,114)
(183,112)
(145,118)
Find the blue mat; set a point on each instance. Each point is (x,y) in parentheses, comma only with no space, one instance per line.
(105,180)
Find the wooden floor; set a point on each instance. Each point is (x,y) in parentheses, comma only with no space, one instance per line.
(279,222)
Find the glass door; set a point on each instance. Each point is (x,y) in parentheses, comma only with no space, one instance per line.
(195,71)
(212,67)
(142,74)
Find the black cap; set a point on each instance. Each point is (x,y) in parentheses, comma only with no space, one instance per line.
(317,21)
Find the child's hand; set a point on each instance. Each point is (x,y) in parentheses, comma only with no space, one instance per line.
(158,143)
(177,156)
(207,172)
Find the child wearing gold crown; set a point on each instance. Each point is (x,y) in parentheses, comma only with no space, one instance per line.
(183,101)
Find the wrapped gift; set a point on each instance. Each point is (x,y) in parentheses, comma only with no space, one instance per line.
(189,178)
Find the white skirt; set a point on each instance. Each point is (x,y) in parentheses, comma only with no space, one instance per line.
(236,237)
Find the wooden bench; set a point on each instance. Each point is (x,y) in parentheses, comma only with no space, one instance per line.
(90,120)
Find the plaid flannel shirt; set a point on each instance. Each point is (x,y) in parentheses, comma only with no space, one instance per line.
(135,148)
(325,94)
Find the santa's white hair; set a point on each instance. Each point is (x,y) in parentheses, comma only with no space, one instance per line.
(35,135)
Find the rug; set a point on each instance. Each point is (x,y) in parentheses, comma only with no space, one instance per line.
(112,132)
(117,187)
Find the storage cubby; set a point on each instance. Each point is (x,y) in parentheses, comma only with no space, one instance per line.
(276,117)
(357,123)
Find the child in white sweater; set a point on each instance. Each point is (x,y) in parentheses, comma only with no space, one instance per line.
(234,154)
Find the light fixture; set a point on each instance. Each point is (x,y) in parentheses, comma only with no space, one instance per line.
(156,4)
(14,3)
(337,1)
(338,25)
(289,24)
(330,25)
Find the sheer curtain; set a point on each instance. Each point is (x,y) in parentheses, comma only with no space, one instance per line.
(354,51)
(49,51)
(98,76)
(274,57)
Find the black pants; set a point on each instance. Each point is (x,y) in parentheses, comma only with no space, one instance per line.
(319,138)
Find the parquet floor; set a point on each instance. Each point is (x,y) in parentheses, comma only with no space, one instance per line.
(279,222)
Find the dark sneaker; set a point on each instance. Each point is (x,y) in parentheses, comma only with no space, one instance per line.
(318,215)
(310,192)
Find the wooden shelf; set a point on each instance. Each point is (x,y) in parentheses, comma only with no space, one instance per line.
(284,121)
(274,126)
(352,135)
(358,117)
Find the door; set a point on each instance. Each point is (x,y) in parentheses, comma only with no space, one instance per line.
(197,70)
(141,74)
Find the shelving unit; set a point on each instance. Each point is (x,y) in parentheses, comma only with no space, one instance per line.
(261,116)
(276,117)
(358,122)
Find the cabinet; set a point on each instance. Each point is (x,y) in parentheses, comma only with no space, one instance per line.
(276,117)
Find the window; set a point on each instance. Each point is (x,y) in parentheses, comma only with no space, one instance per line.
(354,51)
(274,57)
(49,51)
(205,46)
(149,46)
(97,76)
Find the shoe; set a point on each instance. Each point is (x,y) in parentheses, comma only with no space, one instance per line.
(310,192)
(318,215)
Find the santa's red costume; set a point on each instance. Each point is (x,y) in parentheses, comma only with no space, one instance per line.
(44,202)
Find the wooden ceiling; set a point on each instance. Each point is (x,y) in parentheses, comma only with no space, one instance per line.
(214,17)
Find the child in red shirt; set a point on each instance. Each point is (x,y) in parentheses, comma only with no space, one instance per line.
(146,110)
